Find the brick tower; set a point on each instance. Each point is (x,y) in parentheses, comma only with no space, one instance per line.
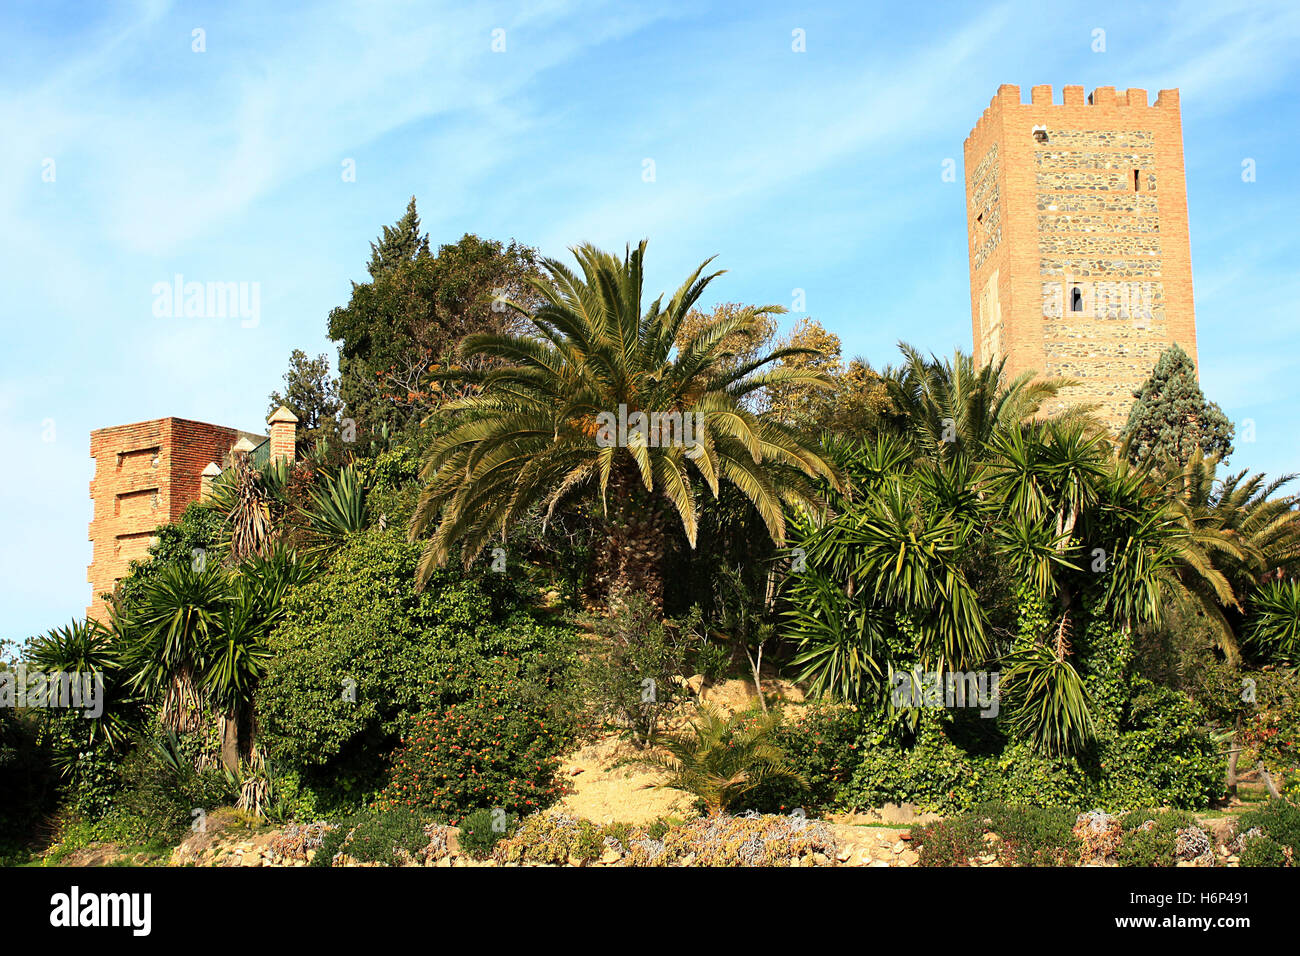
(146,474)
(1080,264)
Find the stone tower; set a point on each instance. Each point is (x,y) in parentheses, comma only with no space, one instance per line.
(1080,264)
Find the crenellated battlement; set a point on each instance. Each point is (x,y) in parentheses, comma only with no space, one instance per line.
(1103,97)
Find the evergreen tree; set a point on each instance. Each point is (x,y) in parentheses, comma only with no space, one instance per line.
(406,323)
(1172,417)
(399,243)
(312,394)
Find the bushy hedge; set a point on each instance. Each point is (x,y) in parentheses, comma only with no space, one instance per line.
(1270,836)
(1160,755)
(498,748)
(362,630)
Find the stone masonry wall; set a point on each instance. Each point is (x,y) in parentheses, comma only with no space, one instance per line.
(1092,263)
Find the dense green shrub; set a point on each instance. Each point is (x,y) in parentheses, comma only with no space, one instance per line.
(1024,836)
(497,748)
(824,743)
(481,830)
(390,837)
(1162,754)
(1270,836)
(151,795)
(950,842)
(1150,837)
(635,673)
(361,630)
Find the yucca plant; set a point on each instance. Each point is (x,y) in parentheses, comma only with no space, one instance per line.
(339,507)
(1274,623)
(167,635)
(537,430)
(250,499)
(722,759)
(85,647)
(1051,704)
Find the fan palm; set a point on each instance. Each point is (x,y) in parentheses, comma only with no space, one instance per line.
(536,431)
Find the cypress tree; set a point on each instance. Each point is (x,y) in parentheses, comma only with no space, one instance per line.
(399,243)
(1172,417)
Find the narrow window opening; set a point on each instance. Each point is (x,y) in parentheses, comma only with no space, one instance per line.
(1137,181)
(1076,300)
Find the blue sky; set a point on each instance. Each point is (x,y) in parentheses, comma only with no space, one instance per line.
(818,170)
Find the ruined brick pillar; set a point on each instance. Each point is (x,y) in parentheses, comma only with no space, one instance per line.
(283,434)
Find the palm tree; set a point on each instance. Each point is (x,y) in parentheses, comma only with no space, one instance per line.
(195,638)
(722,759)
(84,648)
(538,430)
(1238,532)
(950,406)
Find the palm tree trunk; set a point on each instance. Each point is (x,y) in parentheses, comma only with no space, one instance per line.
(631,556)
(230,742)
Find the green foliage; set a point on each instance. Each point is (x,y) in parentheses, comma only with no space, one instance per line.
(1277,842)
(498,748)
(388,837)
(635,673)
(1052,711)
(1024,835)
(723,760)
(950,842)
(1274,627)
(361,625)
(1159,752)
(1162,753)
(339,507)
(1150,837)
(311,393)
(406,323)
(481,830)
(149,794)
(398,244)
(1172,418)
(541,429)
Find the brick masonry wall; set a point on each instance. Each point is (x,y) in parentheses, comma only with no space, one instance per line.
(1065,214)
(145,475)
